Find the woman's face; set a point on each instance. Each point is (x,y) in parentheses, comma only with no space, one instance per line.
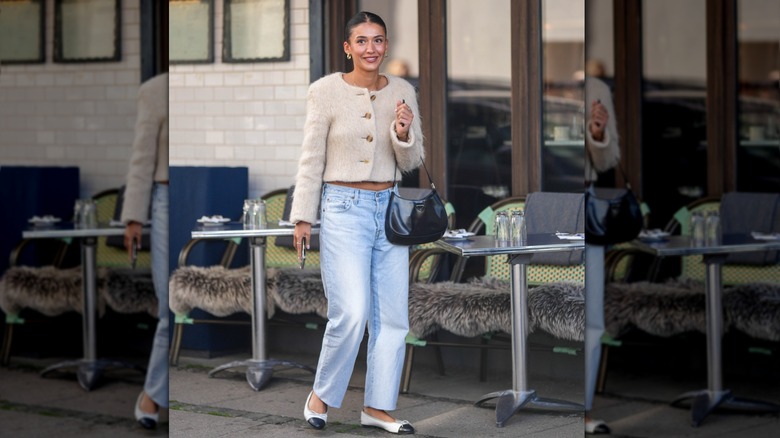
(367,44)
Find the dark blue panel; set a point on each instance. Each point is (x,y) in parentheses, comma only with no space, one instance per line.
(195,192)
(26,191)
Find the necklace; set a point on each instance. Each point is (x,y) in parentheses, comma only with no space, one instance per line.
(372,87)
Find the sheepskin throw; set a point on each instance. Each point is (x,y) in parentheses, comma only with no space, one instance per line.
(222,292)
(131,291)
(214,289)
(484,305)
(754,309)
(661,309)
(53,291)
(470,309)
(46,289)
(678,306)
(296,291)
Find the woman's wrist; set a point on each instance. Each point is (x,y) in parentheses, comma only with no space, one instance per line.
(404,139)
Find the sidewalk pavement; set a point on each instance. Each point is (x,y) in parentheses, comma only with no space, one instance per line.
(635,404)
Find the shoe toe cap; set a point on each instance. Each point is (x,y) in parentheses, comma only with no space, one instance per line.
(147,423)
(317,423)
(406,429)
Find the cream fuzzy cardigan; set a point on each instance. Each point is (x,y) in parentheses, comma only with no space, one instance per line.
(605,153)
(149,161)
(349,136)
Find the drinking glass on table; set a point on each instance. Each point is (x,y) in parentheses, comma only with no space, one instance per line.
(517,228)
(89,214)
(78,206)
(712,226)
(247,217)
(502,227)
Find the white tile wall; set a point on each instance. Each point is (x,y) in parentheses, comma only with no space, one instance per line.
(243,114)
(74,114)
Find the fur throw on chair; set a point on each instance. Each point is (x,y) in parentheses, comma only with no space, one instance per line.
(484,305)
(222,292)
(131,291)
(754,309)
(296,291)
(678,306)
(661,309)
(214,289)
(47,289)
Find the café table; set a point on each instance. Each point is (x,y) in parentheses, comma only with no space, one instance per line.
(259,368)
(512,400)
(90,368)
(705,401)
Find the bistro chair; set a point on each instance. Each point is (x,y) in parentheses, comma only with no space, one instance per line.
(489,295)
(221,290)
(53,289)
(674,290)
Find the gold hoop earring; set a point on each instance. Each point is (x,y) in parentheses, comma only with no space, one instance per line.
(349,56)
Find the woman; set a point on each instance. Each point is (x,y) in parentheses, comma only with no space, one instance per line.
(602,154)
(362,130)
(147,185)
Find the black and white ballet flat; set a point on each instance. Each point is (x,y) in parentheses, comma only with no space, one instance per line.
(315,420)
(145,419)
(400,427)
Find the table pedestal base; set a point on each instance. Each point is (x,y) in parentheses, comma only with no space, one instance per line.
(90,371)
(510,401)
(258,372)
(705,401)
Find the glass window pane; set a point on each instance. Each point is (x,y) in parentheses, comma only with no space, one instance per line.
(478,106)
(758,153)
(600,60)
(674,149)
(563,42)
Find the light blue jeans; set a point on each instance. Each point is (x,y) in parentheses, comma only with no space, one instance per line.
(156,385)
(594,317)
(366,281)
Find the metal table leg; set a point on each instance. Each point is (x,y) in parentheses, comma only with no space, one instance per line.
(259,369)
(89,369)
(512,400)
(705,401)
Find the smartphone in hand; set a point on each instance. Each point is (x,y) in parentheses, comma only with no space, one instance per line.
(134,251)
(303,252)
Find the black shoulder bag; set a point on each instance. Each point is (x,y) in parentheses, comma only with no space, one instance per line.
(415,221)
(612,215)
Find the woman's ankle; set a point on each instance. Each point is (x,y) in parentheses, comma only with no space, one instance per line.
(148,405)
(379,414)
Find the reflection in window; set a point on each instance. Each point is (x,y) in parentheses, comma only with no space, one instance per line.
(674,150)
(563,39)
(758,153)
(600,60)
(478,106)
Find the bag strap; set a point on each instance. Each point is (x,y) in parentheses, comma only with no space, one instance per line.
(424,167)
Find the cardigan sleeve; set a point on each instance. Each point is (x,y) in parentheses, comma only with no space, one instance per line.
(151,116)
(409,154)
(311,165)
(605,153)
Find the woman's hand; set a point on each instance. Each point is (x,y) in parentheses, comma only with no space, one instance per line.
(302,229)
(598,120)
(132,231)
(403,120)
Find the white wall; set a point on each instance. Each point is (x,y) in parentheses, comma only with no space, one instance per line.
(247,114)
(74,114)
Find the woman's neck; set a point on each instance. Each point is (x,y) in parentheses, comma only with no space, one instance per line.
(370,80)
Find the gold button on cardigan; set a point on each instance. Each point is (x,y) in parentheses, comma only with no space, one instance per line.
(347,137)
